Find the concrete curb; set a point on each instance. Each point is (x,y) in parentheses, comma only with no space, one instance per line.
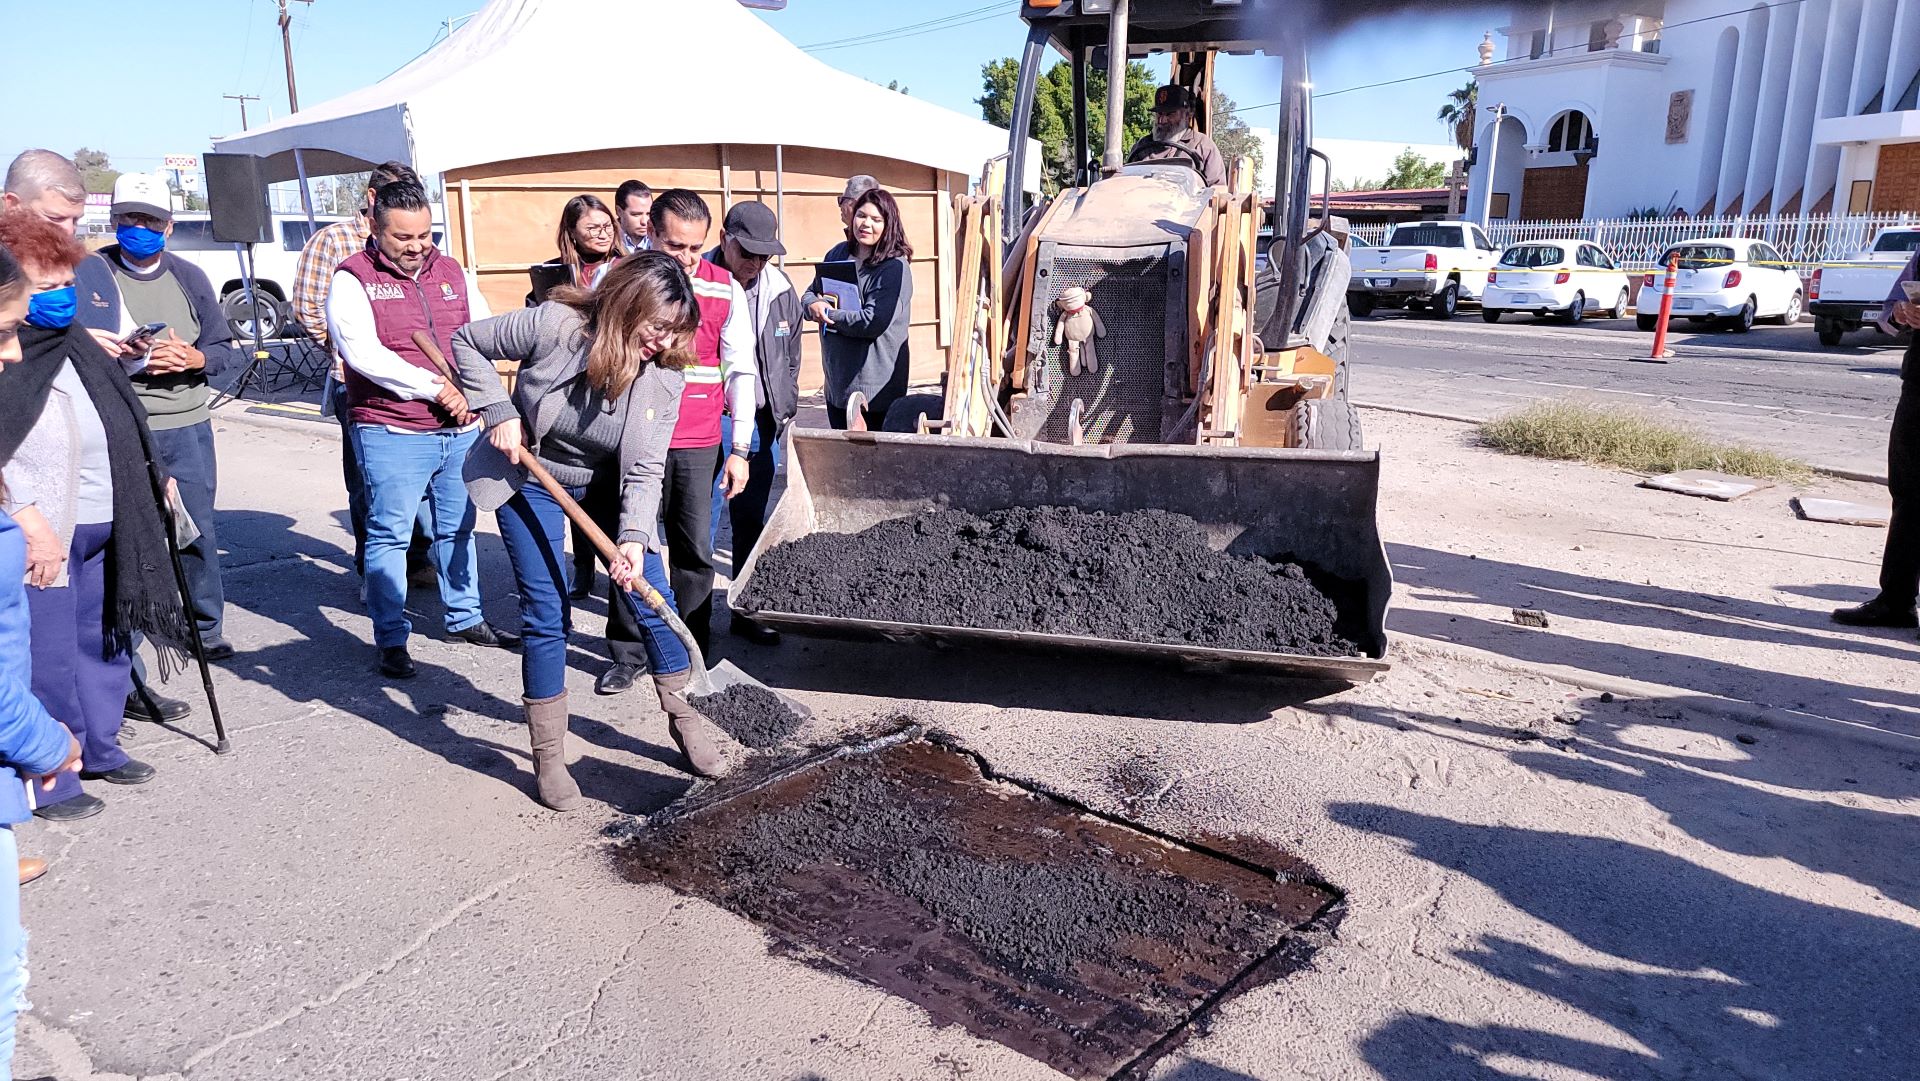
(1834,471)
(236,413)
(1796,721)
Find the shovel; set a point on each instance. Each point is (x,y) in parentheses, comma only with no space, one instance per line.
(700,681)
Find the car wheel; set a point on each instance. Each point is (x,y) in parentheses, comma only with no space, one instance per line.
(1646,322)
(1742,321)
(1830,331)
(1490,315)
(1792,314)
(1446,302)
(241,317)
(1359,305)
(1619,309)
(1575,311)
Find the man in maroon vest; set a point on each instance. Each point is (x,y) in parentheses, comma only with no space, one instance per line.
(721,380)
(410,422)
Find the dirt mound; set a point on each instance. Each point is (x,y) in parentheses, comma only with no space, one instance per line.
(1147,576)
(753,715)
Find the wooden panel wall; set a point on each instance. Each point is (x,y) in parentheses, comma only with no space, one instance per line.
(514,209)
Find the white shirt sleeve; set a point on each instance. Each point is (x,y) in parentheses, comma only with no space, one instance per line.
(477,308)
(350,325)
(738,368)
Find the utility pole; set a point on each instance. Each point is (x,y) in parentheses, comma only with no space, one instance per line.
(293,106)
(242,99)
(286,48)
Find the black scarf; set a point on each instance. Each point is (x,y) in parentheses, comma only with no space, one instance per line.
(142,592)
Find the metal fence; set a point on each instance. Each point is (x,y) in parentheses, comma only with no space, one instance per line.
(1636,244)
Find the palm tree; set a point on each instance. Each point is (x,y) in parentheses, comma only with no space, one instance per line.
(1458,113)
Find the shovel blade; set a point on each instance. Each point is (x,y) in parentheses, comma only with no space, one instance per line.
(727,674)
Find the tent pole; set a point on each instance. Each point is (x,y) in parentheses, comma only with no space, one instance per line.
(780,191)
(306,196)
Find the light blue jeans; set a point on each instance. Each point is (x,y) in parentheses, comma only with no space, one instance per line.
(400,469)
(13,950)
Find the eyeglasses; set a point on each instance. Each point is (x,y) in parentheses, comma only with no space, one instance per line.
(597,230)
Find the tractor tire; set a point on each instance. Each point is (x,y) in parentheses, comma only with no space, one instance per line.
(1830,331)
(1445,303)
(1646,322)
(1326,424)
(904,415)
(1340,350)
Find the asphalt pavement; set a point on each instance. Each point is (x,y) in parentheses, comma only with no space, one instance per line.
(1774,387)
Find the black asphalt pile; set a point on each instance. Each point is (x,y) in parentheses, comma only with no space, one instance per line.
(1146,576)
(1075,940)
(755,716)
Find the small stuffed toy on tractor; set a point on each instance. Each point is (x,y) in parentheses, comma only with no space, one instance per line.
(1079,324)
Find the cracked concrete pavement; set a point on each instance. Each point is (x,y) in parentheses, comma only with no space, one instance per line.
(366,889)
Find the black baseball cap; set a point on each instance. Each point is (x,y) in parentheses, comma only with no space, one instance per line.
(1171,96)
(754,227)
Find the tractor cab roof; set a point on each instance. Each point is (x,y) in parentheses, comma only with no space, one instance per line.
(1163,26)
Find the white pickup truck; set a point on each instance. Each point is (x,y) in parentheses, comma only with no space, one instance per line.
(1428,266)
(1848,294)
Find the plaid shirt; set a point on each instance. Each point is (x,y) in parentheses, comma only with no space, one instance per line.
(324,253)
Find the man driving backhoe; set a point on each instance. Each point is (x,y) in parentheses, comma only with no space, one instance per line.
(1174,138)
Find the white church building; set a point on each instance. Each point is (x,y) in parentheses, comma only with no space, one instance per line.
(1699,107)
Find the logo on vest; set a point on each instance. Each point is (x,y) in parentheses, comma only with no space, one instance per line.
(385,291)
(447,293)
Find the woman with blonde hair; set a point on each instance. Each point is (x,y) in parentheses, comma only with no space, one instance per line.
(596,400)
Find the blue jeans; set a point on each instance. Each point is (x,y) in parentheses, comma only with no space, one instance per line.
(748,510)
(13,951)
(336,405)
(400,469)
(534,529)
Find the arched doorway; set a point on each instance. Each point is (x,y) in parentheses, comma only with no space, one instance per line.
(1556,181)
(1504,175)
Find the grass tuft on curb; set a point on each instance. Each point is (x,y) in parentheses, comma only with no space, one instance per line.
(1573,431)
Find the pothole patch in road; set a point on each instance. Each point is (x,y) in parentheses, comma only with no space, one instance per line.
(1084,942)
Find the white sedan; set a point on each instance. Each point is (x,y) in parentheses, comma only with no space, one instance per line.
(1727,279)
(1571,279)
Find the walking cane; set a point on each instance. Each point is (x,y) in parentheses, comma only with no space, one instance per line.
(221,744)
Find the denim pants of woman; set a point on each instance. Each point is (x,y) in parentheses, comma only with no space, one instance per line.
(73,681)
(534,529)
(13,951)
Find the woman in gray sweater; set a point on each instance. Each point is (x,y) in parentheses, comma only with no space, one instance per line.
(863,348)
(595,401)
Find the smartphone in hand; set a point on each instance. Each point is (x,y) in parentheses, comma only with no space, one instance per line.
(142,337)
(1913,291)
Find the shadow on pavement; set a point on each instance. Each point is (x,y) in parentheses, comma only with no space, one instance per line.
(1495,582)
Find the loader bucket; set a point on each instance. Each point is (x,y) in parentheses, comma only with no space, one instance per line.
(1315,506)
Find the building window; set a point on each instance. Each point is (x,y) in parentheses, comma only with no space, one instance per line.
(1573,131)
(1538,47)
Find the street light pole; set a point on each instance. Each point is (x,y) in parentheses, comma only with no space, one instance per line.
(1493,164)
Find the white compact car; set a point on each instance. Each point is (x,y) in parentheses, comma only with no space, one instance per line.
(1726,279)
(1571,279)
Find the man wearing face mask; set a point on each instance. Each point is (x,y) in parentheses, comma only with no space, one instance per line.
(1175,140)
(197,345)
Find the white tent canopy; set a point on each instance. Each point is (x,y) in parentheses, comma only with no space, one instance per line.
(507,85)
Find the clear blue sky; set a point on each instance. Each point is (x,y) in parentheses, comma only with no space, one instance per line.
(62,89)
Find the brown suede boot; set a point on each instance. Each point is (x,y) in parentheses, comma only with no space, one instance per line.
(547,728)
(708,748)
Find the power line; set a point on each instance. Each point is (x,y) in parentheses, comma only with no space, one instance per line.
(929,26)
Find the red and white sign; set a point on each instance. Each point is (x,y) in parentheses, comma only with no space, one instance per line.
(180,161)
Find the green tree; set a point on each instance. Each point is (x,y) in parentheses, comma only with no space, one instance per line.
(1458,114)
(894,85)
(1410,170)
(96,172)
(1052,122)
(1232,135)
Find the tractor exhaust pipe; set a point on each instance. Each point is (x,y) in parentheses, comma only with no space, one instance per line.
(1111,159)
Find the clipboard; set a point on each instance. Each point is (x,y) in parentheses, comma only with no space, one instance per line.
(840,279)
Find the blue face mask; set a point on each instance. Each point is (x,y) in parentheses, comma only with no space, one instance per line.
(52,309)
(139,241)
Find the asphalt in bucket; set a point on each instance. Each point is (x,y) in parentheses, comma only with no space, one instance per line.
(1080,941)
(1145,576)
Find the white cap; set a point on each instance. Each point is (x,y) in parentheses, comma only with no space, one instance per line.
(142,193)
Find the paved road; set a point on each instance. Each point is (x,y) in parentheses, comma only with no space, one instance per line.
(1775,387)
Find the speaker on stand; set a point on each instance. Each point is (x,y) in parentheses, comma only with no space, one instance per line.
(237,203)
